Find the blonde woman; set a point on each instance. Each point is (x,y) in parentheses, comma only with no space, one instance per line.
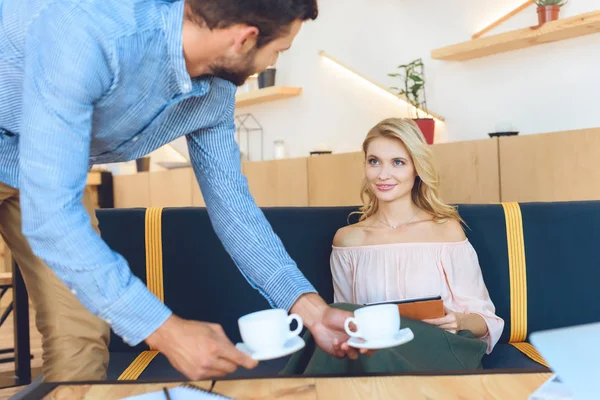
(409,244)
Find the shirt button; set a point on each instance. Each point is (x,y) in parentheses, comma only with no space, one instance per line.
(135,139)
(74,291)
(108,321)
(187,87)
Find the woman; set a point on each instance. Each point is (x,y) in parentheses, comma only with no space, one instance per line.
(409,244)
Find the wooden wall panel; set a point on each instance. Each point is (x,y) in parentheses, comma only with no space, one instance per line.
(469,171)
(278,182)
(559,166)
(172,188)
(335,180)
(132,190)
(197,199)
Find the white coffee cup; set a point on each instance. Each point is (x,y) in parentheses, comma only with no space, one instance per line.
(374,322)
(268,330)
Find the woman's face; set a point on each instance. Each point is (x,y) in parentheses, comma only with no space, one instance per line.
(389,169)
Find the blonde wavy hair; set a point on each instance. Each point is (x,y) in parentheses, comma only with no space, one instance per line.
(425,192)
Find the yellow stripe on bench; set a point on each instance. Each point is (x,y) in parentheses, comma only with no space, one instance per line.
(154,281)
(518,282)
(138,366)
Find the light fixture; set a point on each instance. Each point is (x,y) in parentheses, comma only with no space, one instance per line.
(503,18)
(381,89)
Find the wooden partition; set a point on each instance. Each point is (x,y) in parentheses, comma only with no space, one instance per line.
(335,180)
(545,167)
(469,171)
(197,198)
(558,166)
(278,182)
(172,188)
(132,190)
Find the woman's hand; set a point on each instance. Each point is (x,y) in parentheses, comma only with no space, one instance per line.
(451,322)
(455,321)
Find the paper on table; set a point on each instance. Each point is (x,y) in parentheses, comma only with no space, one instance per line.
(179,393)
(552,389)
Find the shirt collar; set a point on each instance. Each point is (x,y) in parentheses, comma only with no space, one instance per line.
(173,26)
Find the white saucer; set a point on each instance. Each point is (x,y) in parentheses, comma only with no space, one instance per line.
(402,336)
(291,346)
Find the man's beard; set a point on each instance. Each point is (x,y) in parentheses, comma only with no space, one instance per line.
(235,74)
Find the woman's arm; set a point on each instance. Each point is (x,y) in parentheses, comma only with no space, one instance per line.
(468,304)
(456,321)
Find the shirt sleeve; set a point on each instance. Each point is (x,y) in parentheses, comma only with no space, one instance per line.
(237,220)
(468,292)
(66,71)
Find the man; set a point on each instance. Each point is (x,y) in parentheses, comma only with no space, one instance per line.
(99,81)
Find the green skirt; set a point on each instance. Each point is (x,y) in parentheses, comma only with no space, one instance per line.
(432,349)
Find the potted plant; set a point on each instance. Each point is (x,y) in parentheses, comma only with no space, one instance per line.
(413,90)
(548,10)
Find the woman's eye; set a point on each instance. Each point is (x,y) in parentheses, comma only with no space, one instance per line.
(373,161)
(398,162)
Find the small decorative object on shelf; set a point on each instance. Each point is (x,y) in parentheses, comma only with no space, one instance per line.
(320,149)
(548,10)
(278,149)
(250,85)
(143,164)
(498,134)
(504,128)
(412,76)
(246,124)
(267,78)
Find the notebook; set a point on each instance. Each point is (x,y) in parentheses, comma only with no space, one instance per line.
(418,308)
(184,392)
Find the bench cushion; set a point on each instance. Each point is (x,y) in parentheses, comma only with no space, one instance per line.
(202,282)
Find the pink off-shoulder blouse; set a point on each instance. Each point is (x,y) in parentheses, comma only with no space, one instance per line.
(366,274)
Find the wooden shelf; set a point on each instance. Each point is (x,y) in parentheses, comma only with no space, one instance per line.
(562,29)
(266,94)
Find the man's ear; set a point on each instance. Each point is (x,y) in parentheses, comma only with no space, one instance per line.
(245,38)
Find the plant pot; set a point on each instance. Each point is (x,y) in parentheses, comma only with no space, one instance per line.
(427,127)
(266,78)
(143,164)
(547,14)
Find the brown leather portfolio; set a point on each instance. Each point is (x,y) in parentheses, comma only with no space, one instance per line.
(420,310)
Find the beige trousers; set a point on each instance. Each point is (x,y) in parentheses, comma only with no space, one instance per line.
(74,341)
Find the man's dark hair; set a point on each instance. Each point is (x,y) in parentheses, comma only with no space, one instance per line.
(271,17)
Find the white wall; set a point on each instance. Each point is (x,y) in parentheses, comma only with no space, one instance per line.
(541,89)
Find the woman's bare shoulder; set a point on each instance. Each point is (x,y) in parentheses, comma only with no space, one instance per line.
(450,231)
(351,235)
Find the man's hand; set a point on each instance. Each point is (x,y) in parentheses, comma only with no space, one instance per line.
(326,325)
(199,350)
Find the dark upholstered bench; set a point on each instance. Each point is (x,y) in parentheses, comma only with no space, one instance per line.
(546,251)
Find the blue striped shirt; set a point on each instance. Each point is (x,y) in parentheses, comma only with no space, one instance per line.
(85,82)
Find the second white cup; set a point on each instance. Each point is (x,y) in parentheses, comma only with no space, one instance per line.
(374,322)
(267,331)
